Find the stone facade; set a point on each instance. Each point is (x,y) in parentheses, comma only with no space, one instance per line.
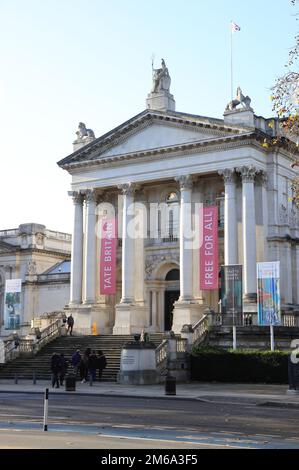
(164,156)
(34,254)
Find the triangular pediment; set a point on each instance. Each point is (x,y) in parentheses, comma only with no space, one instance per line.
(155,136)
(152,130)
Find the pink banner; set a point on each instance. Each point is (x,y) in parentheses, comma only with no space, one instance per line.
(209,249)
(108,257)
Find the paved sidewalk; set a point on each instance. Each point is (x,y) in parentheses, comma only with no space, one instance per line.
(252,393)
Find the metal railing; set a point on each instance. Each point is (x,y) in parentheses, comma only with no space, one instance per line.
(161,353)
(288,319)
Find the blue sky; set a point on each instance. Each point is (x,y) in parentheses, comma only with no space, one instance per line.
(65,61)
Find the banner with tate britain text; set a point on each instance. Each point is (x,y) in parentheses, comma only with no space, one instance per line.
(108,257)
(209,249)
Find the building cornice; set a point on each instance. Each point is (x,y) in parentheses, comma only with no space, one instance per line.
(218,144)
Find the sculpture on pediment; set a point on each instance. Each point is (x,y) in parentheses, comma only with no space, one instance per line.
(161,79)
(83,132)
(245,101)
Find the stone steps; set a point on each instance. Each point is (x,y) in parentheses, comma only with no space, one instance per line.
(111,345)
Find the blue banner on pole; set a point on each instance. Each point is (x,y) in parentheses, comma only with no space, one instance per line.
(268,290)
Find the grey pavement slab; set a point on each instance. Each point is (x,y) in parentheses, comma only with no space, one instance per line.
(189,391)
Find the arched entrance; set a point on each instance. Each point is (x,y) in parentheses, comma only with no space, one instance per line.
(171,295)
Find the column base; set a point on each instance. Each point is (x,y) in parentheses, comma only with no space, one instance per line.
(86,317)
(186,313)
(130,319)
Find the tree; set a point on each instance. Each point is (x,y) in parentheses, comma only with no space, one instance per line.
(285,97)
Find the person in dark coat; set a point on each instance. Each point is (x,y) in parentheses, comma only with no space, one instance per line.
(101,363)
(55,368)
(76,358)
(92,365)
(70,324)
(63,368)
(83,365)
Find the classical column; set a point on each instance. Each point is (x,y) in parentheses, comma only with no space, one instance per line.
(230,217)
(264,184)
(90,247)
(186,252)
(248,174)
(127,244)
(77,249)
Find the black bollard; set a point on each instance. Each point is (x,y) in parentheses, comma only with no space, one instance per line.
(90,380)
(170,385)
(16,378)
(34,378)
(46,403)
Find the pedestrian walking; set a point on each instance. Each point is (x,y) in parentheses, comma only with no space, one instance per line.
(63,368)
(70,324)
(55,369)
(83,366)
(76,358)
(92,365)
(101,363)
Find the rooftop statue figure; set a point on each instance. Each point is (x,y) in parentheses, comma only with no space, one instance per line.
(161,78)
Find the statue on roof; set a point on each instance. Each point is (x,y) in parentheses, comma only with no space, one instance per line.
(83,133)
(161,78)
(240,99)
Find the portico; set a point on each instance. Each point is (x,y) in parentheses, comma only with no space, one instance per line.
(163,160)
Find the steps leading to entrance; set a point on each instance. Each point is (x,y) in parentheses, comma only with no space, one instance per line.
(111,345)
(253,337)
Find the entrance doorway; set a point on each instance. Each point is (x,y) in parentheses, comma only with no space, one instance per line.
(172,294)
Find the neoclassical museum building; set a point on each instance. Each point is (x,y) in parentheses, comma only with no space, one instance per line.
(180,161)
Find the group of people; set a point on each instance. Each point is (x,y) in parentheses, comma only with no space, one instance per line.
(86,365)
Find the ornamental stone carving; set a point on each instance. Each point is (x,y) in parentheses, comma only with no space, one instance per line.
(283,214)
(153,261)
(31,268)
(128,189)
(185,182)
(229,175)
(248,173)
(83,133)
(76,196)
(90,195)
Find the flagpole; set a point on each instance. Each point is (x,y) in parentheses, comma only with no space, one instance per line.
(231,61)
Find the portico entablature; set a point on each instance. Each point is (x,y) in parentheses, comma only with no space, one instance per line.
(157,170)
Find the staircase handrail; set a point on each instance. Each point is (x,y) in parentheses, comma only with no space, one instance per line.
(161,352)
(10,349)
(48,334)
(200,329)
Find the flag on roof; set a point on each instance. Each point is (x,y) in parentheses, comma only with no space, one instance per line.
(235,27)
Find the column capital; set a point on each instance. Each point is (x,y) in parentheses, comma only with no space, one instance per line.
(128,189)
(76,196)
(90,195)
(229,175)
(248,173)
(185,182)
(263,177)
